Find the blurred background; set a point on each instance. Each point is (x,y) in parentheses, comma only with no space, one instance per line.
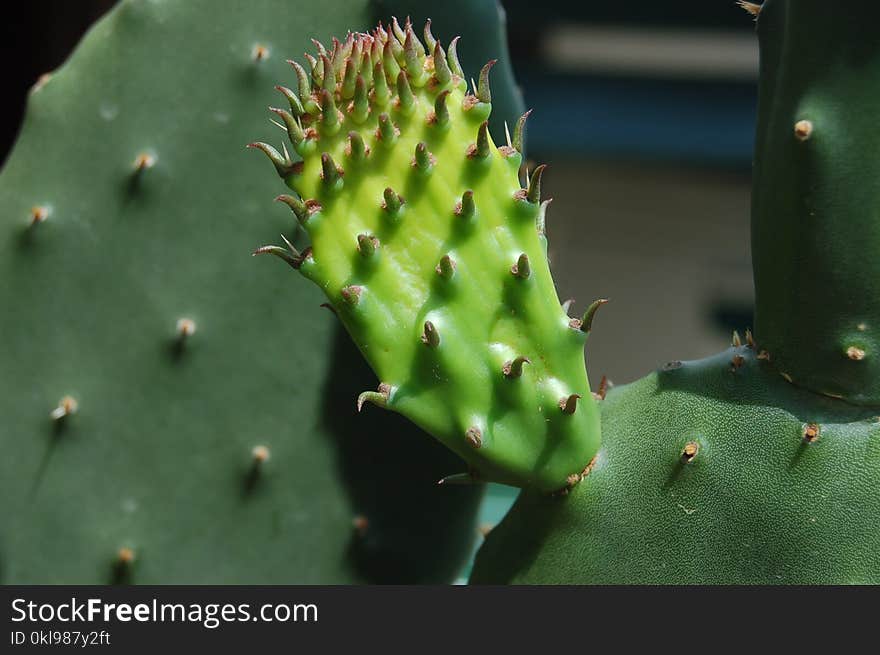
(644,111)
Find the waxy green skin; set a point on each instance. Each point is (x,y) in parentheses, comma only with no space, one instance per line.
(816,201)
(757,503)
(158,457)
(443,291)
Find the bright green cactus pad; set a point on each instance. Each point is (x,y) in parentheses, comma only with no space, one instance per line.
(711,472)
(434,256)
(219,449)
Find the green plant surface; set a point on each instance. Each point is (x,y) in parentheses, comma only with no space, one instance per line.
(816,199)
(780,489)
(760,465)
(212,436)
(433,255)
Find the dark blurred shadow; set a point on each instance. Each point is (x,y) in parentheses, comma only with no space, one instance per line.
(410,530)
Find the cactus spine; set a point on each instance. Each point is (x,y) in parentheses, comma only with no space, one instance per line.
(433,255)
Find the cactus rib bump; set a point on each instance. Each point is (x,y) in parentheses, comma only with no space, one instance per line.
(433,255)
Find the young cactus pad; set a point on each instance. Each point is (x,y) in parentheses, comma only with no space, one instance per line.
(434,257)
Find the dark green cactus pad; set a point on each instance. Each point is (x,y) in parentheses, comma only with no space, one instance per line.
(206,435)
(715,471)
(433,254)
(816,199)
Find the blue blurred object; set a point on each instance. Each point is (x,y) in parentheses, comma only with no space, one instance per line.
(697,122)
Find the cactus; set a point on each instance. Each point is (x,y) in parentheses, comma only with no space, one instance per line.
(757,465)
(761,464)
(433,255)
(162,421)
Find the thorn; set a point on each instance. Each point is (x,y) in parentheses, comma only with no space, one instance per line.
(568,405)
(381,93)
(348,80)
(351,294)
(290,255)
(143,161)
(522,269)
(294,129)
(67,406)
(329,116)
(39,213)
(458,478)
(480,149)
(735,341)
(474,436)
(357,150)
(466,208)
(452,58)
(519,131)
(412,57)
(391,202)
(566,306)
(585,323)
(186,327)
(389,61)
(750,339)
(319,47)
(810,432)
(367,245)
(260,455)
(397,30)
(514,367)
(690,450)
(259,52)
(803,130)
(386,132)
(855,353)
(430,335)
(423,160)
(378,398)
(442,72)
(327,305)
(753,8)
(405,99)
(533,192)
(124,557)
(296,107)
(430,41)
(303,210)
(360,106)
(282,163)
(446,267)
(541,218)
(317,75)
(328,79)
(764,355)
(441,111)
(484,94)
(600,393)
(302,78)
(330,172)
(360,524)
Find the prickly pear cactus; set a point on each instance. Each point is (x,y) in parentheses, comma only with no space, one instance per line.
(761,464)
(433,255)
(161,419)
